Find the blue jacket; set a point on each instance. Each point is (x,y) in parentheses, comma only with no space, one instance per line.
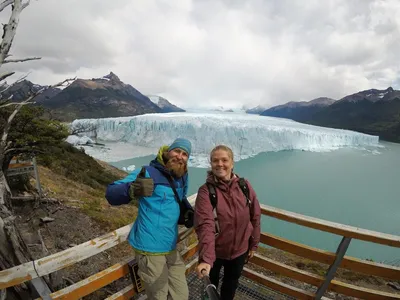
(155,230)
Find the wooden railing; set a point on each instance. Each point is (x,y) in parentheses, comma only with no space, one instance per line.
(44,266)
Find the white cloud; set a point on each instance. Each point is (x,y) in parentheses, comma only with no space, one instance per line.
(229,53)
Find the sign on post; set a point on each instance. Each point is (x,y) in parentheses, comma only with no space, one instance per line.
(18,166)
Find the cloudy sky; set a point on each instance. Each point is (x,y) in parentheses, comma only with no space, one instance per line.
(216,52)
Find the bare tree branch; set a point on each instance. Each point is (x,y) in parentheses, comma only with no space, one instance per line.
(5,89)
(19,106)
(82,128)
(21,150)
(61,83)
(5,75)
(15,103)
(22,78)
(10,29)
(4,4)
(8,124)
(20,60)
(25,4)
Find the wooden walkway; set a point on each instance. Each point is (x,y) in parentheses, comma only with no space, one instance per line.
(44,266)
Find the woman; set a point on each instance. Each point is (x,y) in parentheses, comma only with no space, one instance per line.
(229,235)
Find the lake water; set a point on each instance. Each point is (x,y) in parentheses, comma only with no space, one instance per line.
(356,187)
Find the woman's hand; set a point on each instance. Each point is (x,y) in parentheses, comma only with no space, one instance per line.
(203,267)
(251,254)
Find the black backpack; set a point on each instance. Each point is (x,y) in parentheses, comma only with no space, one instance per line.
(214,200)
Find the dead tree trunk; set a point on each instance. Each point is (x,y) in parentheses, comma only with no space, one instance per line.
(13,250)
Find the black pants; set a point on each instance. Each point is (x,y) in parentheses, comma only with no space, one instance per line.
(232,272)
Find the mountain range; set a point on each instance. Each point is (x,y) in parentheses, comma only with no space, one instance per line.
(91,98)
(373,111)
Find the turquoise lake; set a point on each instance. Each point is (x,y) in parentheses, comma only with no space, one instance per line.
(356,187)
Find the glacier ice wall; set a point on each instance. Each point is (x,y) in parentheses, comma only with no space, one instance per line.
(247,135)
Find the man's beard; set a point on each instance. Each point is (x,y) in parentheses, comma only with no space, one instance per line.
(178,168)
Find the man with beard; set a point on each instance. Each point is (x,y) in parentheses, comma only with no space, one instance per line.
(160,189)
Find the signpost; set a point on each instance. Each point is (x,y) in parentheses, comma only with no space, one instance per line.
(19,166)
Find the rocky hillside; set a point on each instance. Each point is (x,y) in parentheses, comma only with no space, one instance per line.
(164,104)
(372,95)
(101,97)
(21,91)
(298,111)
(373,111)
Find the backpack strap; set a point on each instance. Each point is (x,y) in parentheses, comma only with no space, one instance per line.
(214,200)
(213,195)
(245,189)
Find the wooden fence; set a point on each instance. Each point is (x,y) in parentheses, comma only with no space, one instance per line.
(44,266)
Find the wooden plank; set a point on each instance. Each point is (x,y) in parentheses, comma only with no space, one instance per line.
(190,251)
(332,227)
(125,294)
(278,286)
(326,257)
(330,274)
(337,286)
(94,282)
(191,266)
(105,277)
(62,259)
(128,292)
(360,292)
(68,257)
(41,287)
(192,199)
(286,270)
(184,233)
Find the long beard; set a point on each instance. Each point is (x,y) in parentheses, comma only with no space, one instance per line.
(177,168)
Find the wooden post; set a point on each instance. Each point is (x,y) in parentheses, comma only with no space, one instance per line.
(38,185)
(341,251)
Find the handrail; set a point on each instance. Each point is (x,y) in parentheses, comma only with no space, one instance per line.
(316,280)
(332,227)
(329,226)
(327,257)
(60,260)
(46,265)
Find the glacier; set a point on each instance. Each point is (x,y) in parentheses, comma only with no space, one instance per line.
(247,135)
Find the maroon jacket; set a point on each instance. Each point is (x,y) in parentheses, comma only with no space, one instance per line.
(238,233)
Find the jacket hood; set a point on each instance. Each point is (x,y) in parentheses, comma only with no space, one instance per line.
(159,162)
(161,151)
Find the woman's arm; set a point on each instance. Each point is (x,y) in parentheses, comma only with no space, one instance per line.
(255,220)
(205,226)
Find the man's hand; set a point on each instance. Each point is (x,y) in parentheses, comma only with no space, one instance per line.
(141,187)
(201,267)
